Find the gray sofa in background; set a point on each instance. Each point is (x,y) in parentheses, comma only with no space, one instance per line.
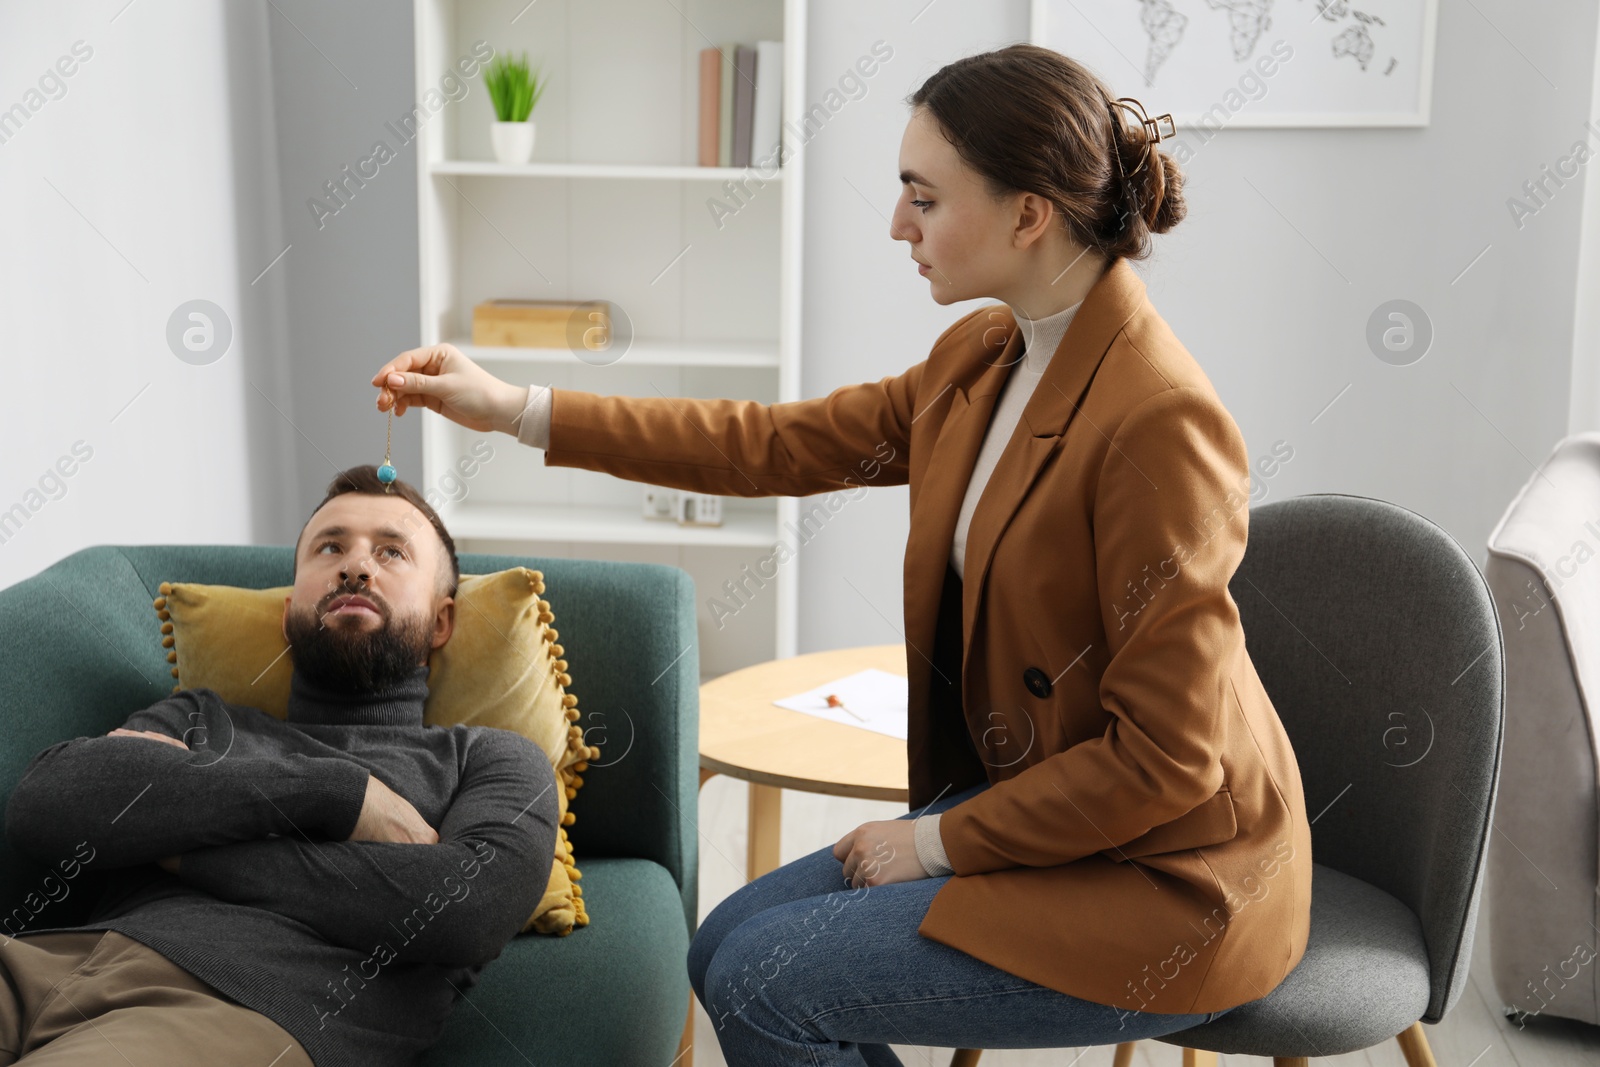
(1544,872)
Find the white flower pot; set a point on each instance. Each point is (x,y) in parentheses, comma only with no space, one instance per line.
(513,141)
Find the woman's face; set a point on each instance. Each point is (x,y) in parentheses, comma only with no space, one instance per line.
(973,245)
(952,223)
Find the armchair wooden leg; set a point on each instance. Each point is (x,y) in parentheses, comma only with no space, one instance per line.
(966,1057)
(685,1056)
(1414,1046)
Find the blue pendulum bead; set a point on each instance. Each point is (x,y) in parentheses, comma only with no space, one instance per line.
(386,473)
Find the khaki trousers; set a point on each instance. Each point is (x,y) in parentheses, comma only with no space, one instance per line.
(99,997)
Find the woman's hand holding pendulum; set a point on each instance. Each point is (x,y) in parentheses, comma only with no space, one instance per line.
(442,378)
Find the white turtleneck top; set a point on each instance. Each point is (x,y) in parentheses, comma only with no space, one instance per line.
(1040,339)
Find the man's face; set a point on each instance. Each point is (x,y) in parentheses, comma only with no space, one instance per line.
(367,605)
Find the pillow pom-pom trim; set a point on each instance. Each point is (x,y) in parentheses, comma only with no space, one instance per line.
(571,781)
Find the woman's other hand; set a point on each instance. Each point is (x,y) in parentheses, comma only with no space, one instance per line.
(442,378)
(877,853)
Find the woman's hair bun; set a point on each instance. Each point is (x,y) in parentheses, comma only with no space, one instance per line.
(1172,208)
(1153,188)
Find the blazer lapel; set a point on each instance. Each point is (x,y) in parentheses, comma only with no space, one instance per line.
(1113,300)
(937,503)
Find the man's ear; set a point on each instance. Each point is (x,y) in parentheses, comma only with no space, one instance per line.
(444,621)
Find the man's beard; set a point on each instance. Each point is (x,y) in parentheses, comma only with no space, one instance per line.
(357,659)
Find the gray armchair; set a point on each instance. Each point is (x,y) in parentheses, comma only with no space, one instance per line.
(1376,637)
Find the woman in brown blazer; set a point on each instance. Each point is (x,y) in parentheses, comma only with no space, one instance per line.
(1107,837)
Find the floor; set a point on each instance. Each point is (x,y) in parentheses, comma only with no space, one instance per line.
(1474,1034)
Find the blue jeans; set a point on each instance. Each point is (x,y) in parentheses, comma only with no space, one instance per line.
(798,968)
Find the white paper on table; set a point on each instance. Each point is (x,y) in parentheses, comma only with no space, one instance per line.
(877,698)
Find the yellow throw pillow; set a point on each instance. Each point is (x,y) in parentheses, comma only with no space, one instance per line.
(231,640)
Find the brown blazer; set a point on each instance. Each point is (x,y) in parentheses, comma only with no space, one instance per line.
(1144,842)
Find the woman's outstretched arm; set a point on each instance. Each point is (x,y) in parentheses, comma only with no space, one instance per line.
(857,435)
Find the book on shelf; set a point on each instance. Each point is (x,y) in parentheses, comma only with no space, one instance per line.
(744,98)
(710,105)
(741,105)
(725,107)
(767,121)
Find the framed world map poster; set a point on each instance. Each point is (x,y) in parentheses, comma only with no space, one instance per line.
(1215,63)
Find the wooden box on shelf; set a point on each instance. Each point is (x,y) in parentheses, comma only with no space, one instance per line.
(542,323)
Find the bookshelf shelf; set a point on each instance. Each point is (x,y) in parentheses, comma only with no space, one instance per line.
(490,169)
(600,524)
(655,353)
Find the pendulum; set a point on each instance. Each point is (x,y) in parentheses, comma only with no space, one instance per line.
(386,473)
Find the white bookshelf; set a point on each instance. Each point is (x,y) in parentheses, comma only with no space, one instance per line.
(612,206)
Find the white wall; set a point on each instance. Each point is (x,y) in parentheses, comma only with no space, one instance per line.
(1584,401)
(1293,238)
(130,187)
(339,73)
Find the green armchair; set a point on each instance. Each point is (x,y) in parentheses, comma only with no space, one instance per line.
(80,648)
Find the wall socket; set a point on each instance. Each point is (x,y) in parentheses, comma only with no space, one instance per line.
(660,503)
(699,509)
(684,508)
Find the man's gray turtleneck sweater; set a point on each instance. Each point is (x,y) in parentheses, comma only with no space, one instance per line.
(358,949)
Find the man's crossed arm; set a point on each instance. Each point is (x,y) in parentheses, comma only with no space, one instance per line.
(167,863)
(456,902)
(137,801)
(317,839)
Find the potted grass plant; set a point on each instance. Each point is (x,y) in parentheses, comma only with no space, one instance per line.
(514,92)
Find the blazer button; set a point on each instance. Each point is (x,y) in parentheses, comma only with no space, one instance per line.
(1037,681)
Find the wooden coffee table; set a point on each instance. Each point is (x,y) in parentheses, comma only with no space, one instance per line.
(744,735)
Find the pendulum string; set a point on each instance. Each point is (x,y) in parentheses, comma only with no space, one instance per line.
(386,473)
